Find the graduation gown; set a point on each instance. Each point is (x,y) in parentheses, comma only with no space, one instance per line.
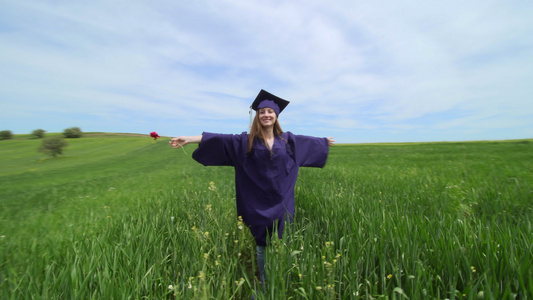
(264,182)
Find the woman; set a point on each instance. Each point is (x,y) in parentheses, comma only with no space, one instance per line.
(266,163)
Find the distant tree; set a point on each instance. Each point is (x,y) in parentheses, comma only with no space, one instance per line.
(38,133)
(73,132)
(6,135)
(53,146)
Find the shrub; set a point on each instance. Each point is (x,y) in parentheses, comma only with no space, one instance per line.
(73,132)
(53,146)
(6,135)
(38,133)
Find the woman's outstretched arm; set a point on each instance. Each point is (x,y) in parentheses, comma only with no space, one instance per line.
(181,141)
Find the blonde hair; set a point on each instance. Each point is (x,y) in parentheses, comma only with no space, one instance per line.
(258,131)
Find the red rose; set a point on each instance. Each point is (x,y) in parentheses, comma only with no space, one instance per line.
(154,135)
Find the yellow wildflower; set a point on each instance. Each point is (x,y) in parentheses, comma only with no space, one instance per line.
(240,281)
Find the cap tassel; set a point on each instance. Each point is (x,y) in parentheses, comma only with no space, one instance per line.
(250,123)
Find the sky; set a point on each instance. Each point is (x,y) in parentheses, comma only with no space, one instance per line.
(358,71)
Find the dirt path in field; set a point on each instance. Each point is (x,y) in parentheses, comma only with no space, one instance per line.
(93,134)
(111,133)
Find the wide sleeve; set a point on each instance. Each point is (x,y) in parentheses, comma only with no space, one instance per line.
(219,149)
(309,151)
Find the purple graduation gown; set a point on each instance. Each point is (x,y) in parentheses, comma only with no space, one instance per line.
(264,183)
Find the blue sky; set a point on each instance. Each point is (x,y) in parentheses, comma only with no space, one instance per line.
(360,71)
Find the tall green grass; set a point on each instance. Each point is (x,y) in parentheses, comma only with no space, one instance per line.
(125,217)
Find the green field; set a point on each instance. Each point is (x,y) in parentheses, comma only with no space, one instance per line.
(125,217)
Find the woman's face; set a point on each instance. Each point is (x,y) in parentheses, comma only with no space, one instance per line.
(267,116)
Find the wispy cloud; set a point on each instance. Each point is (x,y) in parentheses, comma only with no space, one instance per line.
(364,71)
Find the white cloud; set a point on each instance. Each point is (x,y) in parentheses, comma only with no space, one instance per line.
(366,65)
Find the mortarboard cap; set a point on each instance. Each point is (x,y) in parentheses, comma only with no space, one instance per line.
(266,99)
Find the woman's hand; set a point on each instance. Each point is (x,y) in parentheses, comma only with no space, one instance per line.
(181,141)
(331,141)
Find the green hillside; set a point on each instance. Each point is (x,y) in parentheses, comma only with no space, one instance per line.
(124,216)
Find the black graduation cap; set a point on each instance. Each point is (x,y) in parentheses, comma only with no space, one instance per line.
(266,99)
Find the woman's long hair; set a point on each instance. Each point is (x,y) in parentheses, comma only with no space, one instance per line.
(257,131)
